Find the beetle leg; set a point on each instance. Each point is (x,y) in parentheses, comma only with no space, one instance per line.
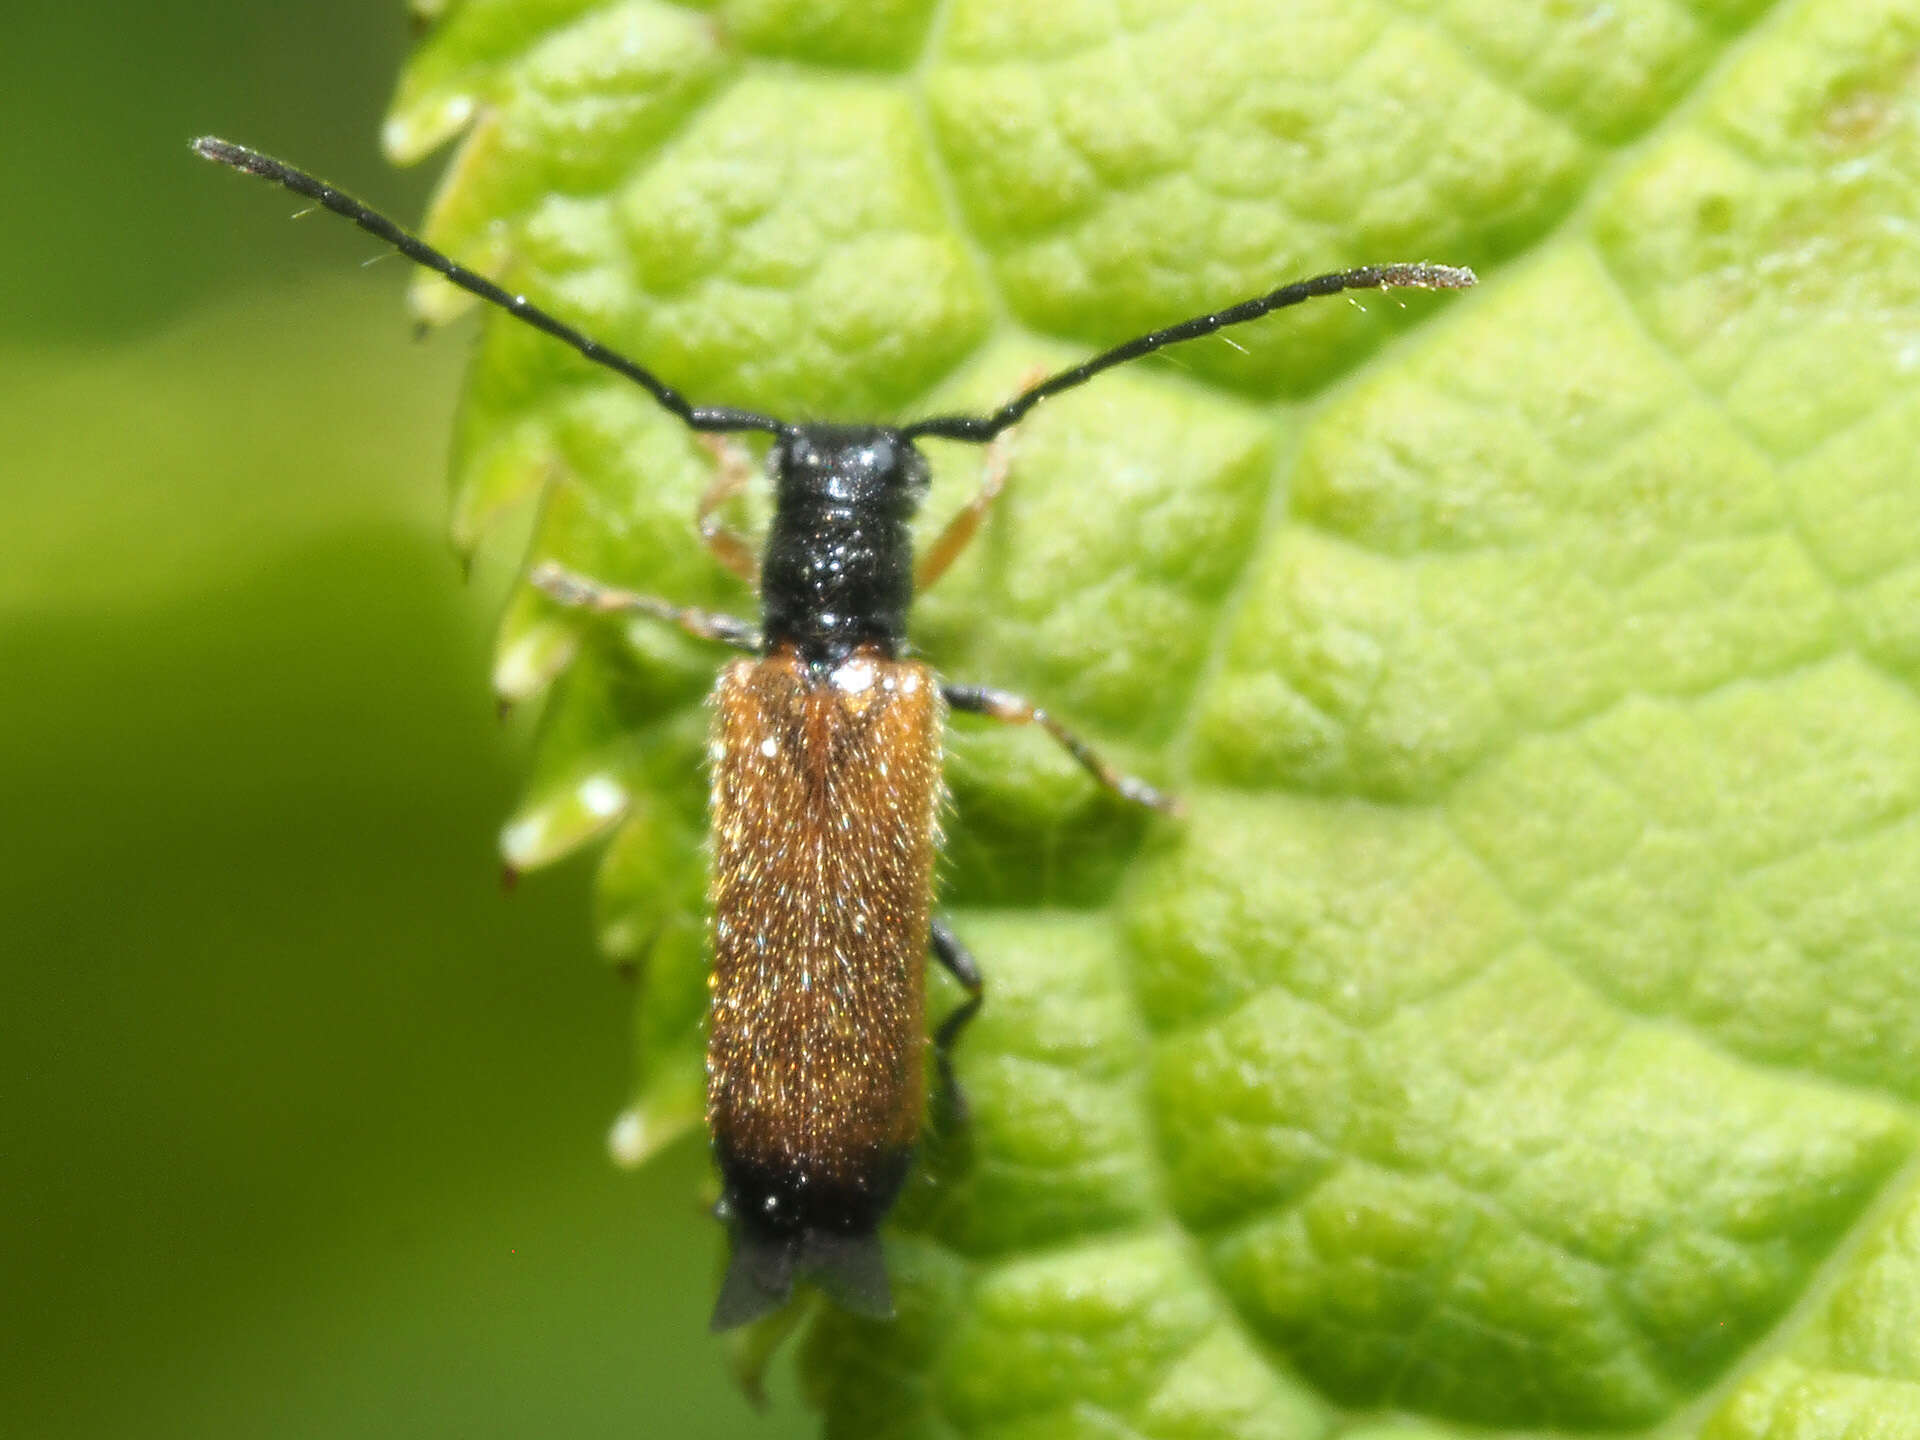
(733,469)
(958,962)
(581,593)
(964,525)
(1011,709)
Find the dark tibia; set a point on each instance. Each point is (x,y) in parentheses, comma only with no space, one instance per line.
(957,961)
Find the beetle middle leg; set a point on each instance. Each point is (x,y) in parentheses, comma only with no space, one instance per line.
(577,591)
(1011,709)
(958,962)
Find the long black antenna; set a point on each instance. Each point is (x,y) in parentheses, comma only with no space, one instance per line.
(981,428)
(698,417)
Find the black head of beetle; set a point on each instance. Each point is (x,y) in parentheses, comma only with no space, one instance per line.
(837,572)
(871,467)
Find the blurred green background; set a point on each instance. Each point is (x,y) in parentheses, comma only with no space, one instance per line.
(303,1117)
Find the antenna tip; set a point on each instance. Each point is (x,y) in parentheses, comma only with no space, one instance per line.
(1427,277)
(225,152)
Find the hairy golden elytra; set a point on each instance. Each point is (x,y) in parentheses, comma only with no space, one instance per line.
(825,765)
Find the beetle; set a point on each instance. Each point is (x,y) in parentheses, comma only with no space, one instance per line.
(825,758)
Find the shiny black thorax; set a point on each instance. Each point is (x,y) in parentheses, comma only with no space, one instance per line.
(837,573)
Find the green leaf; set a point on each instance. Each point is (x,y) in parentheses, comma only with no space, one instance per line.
(1523,1029)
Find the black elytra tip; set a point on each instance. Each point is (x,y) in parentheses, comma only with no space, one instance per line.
(849,1268)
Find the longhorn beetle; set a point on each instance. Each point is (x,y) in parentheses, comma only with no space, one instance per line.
(825,757)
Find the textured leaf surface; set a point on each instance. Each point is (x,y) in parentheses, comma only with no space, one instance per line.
(1525,1029)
